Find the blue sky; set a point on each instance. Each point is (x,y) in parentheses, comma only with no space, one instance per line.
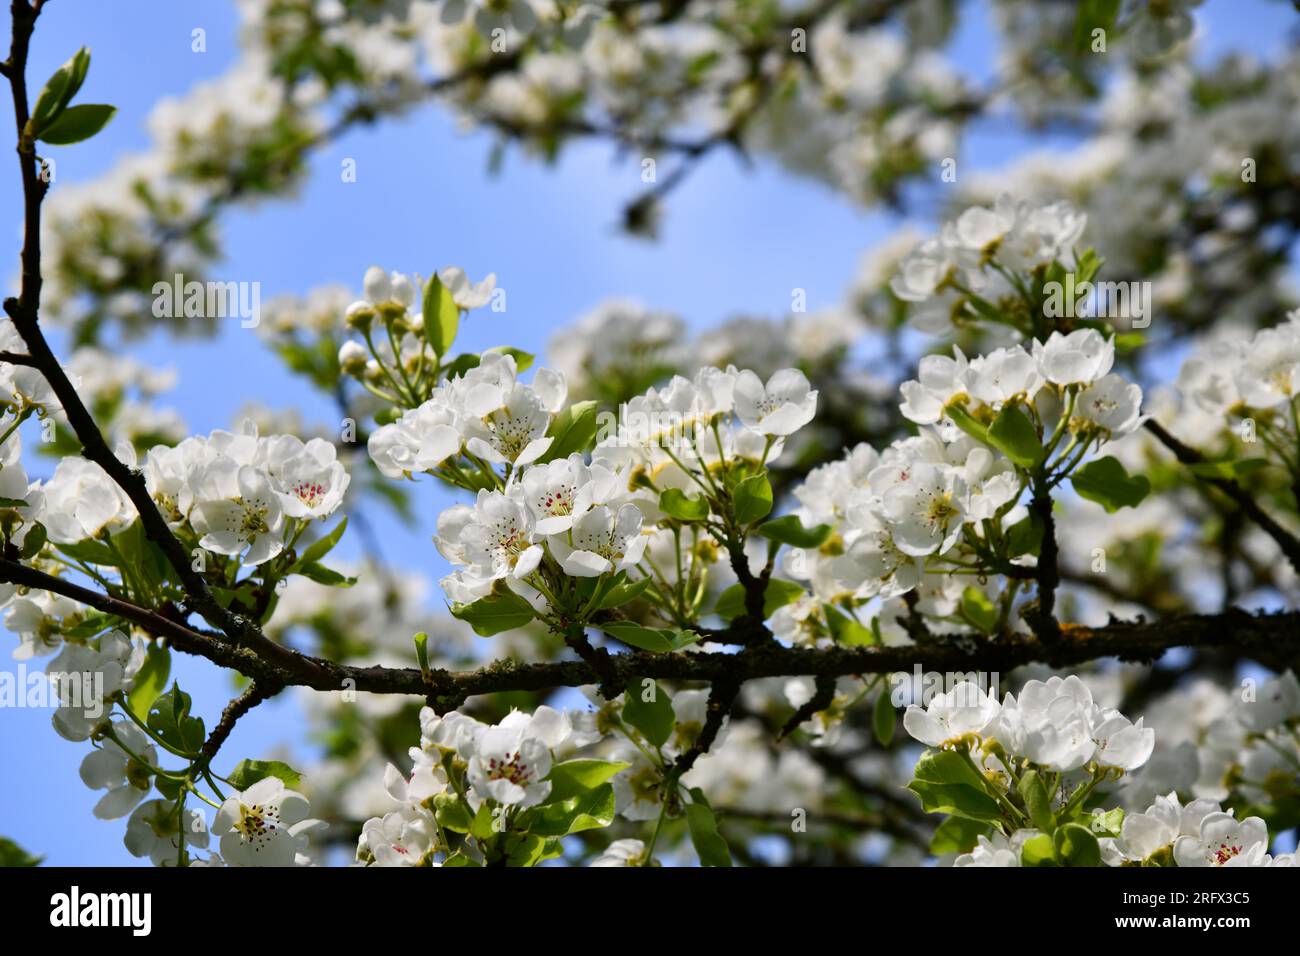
(734,241)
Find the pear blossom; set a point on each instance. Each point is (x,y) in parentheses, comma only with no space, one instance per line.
(467,294)
(963,713)
(81,502)
(622,853)
(239,512)
(154,830)
(781,407)
(113,767)
(1082,357)
(265,825)
(1223,840)
(601,540)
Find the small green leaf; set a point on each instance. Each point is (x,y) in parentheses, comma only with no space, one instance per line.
(481,826)
(1106,823)
(703,825)
(1107,483)
(90,552)
(623,593)
(752,499)
(1076,845)
(327,576)
(318,549)
(11,854)
(979,610)
(676,504)
(573,777)
(658,640)
(249,772)
(34,540)
(963,420)
(779,593)
(573,429)
(788,529)
(884,718)
(1038,851)
(590,810)
(441,316)
(502,610)
(947,767)
(956,799)
(848,631)
(452,813)
(1013,434)
(957,835)
(77,123)
(1034,792)
(653,717)
(149,680)
(1025,536)
(169,717)
(59,89)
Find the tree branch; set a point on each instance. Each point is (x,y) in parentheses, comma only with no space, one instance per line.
(1187,455)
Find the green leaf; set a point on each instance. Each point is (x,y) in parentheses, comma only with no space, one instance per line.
(441,316)
(779,593)
(979,610)
(249,772)
(573,777)
(1025,536)
(654,718)
(149,680)
(790,530)
(1093,15)
(323,546)
(59,89)
(327,576)
(11,854)
(848,631)
(752,499)
(1038,851)
(1107,483)
(1107,823)
(34,540)
(590,810)
(660,640)
(169,717)
(573,429)
(1076,845)
(676,504)
(460,365)
(955,799)
(1013,434)
(527,850)
(481,826)
(957,835)
(90,552)
(77,123)
(884,718)
(963,420)
(452,813)
(623,593)
(708,842)
(947,767)
(502,610)
(1034,792)
(948,784)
